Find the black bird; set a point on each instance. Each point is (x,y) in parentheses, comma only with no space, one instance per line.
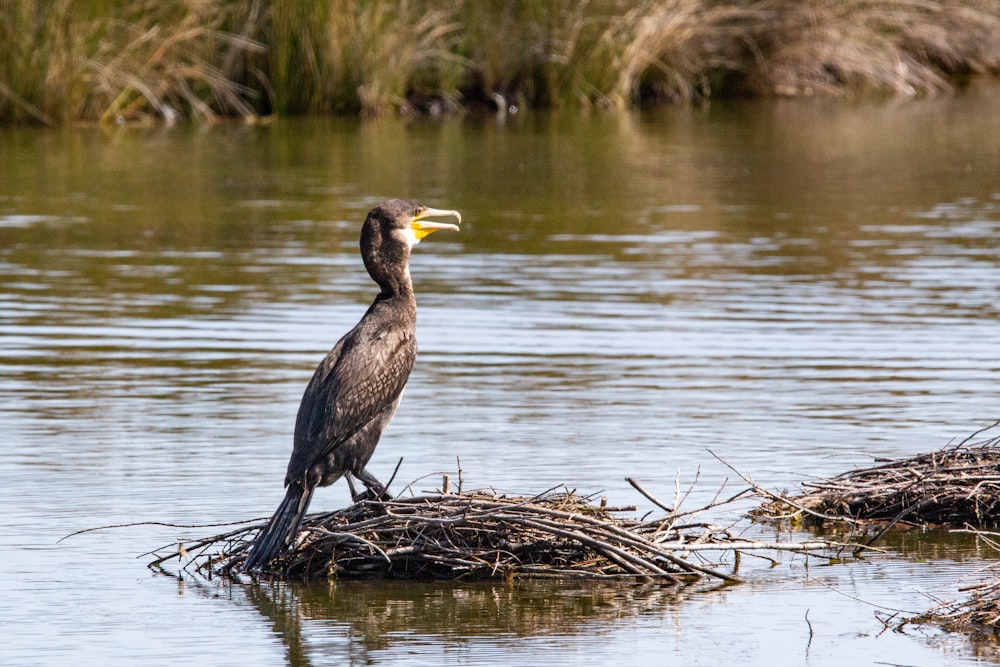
(355,390)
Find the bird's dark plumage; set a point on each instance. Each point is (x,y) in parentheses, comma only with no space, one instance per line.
(355,390)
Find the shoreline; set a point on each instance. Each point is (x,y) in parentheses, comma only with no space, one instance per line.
(146,62)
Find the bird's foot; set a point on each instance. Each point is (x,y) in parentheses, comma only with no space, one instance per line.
(380,493)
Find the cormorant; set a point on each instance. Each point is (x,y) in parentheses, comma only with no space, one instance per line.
(355,390)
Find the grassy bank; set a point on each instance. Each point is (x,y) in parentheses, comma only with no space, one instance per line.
(125,61)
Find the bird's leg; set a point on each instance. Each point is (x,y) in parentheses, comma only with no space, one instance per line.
(350,485)
(374,489)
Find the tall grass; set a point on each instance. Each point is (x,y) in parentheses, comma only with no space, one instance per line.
(297,63)
(133,60)
(381,51)
(899,47)
(121,61)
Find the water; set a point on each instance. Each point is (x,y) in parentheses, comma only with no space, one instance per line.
(795,287)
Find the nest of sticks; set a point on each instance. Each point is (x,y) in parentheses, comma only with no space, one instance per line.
(484,535)
(958,486)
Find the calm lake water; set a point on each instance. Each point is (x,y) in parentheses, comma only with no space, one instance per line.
(796,287)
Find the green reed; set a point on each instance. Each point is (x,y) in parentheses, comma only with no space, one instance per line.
(120,61)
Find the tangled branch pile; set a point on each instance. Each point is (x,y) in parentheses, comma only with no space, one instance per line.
(980,611)
(957,485)
(482,535)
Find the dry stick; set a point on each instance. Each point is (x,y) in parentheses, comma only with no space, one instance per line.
(649,496)
(451,560)
(697,476)
(592,526)
(200,544)
(411,504)
(982,430)
(557,529)
(677,491)
(892,522)
(552,572)
(330,535)
(660,549)
(687,565)
(982,535)
(749,545)
(436,521)
(706,534)
(348,527)
(463,560)
(489,510)
(410,484)
(855,598)
(778,496)
(944,474)
(492,506)
(447,520)
(610,530)
(714,503)
(194,558)
(154,523)
(626,560)
(394,473)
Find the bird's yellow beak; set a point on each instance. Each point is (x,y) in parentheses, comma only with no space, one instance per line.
(422,227)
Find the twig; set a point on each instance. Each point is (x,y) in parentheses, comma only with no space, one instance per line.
(156,523)
(774,496)
(648,495)
(394,472)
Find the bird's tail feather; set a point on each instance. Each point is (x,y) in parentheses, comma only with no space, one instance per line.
(281,529)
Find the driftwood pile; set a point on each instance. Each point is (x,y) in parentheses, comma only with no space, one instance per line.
(485,535)
(979,612)
(957,486)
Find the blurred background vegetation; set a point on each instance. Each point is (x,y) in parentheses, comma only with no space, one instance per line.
(134,61)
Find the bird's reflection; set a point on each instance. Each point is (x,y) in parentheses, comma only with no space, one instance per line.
(352,620)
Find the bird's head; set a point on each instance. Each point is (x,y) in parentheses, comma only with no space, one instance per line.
(420,224)
(394,227)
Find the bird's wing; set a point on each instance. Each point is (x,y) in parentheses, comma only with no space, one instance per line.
(368,381)
(360,377)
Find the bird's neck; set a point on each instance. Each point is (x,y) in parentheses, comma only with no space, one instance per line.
(403,306)
(396,285)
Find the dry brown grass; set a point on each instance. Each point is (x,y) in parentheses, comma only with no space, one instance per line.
(381,52)
(898,47)
(124,61)
(153,66)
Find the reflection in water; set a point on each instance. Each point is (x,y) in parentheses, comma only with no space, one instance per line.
(353,622)
(375,622)
(792,285)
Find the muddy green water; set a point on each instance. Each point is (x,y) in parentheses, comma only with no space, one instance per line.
(794,286)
